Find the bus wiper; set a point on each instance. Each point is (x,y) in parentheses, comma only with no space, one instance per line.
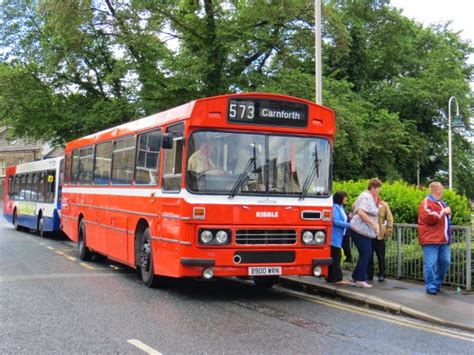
(314,170)
(242,177)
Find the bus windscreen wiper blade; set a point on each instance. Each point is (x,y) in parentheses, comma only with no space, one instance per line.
(242,177)
(314,170)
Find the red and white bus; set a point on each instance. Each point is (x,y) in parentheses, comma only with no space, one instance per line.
(233,185)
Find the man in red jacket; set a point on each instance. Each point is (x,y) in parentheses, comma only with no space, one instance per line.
(434,233)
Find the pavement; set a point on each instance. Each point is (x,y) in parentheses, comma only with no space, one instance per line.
(450,307)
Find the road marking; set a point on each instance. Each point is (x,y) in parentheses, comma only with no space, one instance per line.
(87,266)
(457,334)
(59,252)
(143,347)
(42,243)
(50,248)
(70,257)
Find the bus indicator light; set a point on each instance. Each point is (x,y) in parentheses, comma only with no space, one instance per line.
(199,213)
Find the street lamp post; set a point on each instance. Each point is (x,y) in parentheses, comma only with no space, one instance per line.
(457,125)
(317,52)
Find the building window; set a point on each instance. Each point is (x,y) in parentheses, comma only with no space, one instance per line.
(2,167)
(21,161)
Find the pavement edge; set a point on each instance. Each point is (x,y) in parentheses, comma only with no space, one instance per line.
(368,300)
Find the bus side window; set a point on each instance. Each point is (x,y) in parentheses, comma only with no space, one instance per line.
(41,186)
(50,182)
(123,161)
(75,167)
(86,160)
(102,163)
(35,187)
(16,187)
(173,160)
(148,158)
(67,169)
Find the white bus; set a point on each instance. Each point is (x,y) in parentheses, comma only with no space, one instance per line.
(32,197)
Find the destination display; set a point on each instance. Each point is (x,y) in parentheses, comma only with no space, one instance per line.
(268,112)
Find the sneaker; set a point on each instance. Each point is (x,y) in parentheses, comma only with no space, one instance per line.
(431,291)
(363,284)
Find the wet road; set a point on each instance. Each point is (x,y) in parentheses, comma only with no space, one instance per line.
(50,302)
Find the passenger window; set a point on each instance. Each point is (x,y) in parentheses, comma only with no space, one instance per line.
(123,161)
(67,168)
(173,160)
(50,182)
(103,163)
(75,167)
(86,161)
(41,186)
(148,158)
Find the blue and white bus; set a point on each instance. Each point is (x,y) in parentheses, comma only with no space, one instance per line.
(32,197)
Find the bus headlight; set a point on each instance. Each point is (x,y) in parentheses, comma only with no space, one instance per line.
(206,237)
(319,237)
(222,237)
(307,237)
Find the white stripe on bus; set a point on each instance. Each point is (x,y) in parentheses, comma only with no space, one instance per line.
(203,199)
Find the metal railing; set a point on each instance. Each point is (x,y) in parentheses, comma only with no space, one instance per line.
(404,256)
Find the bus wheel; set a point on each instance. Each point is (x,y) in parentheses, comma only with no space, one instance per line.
(84,252)
(145,262)
(15,221)
(40,230)
(265,282)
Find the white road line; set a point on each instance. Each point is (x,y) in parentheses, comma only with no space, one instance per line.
(70,257)
(87,266)
(50,248)
(59,252)
(143,347)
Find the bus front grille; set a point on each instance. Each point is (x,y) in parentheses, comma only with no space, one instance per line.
(265,237)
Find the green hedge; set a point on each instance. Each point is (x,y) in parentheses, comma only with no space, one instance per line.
(405,199)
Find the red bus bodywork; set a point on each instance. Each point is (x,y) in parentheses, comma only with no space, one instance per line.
(115,216)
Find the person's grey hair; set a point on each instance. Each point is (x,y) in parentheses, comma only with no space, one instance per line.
(435,185)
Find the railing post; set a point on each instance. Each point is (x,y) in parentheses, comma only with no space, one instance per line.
(468,259)
(399,252)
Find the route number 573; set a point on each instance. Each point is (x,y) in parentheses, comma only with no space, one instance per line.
(242,110)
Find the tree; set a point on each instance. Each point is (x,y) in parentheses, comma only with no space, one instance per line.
(77,66)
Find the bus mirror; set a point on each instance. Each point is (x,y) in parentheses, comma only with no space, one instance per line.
(167,142)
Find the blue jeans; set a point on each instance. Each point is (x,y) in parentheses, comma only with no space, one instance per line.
(437,258)
(364,247)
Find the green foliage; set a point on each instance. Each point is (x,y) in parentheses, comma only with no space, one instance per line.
(73,67)
(404,200)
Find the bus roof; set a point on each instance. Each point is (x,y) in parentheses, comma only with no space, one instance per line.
(38,165)
(207,111)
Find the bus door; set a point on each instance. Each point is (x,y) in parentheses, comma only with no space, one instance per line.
(171,208)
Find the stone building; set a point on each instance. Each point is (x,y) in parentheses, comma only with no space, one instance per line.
(17,151)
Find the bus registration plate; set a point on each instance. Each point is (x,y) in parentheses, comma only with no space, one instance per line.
(264,270)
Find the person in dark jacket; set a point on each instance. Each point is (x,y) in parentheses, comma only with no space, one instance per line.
(339,226)
(434,234)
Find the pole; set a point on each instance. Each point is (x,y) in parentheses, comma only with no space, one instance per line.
(317,51)
(450,148)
